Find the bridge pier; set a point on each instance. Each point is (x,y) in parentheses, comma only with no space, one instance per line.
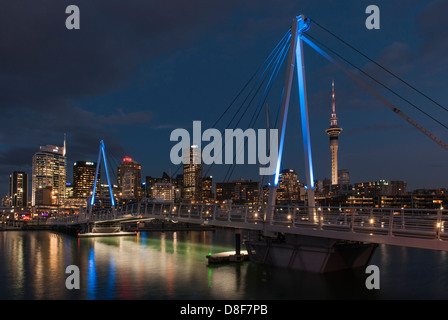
(312,254)
(238,242)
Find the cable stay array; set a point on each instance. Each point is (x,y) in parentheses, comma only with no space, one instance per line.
(313,43)
(246,107)
(249,101)
(380,66)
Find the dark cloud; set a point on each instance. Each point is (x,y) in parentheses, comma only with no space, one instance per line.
(374,128)
(45,68)
(432,27)
(44,65)
(146,65)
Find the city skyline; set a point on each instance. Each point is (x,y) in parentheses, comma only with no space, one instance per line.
(135,187)
(61,151)
(170,69)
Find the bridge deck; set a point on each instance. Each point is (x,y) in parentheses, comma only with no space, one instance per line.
(420,228)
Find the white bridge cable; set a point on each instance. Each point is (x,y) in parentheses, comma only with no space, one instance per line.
(373,92)
(270,69)
(380,66)
(377,81)
(266,63)
(285,38)
(273,75)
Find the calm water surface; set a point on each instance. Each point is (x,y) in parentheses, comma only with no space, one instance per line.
(173,265)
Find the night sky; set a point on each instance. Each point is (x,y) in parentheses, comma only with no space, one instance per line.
(136,70)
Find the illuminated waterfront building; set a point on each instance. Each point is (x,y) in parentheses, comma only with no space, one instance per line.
(68,190)
(207,193)
(162,191)
(103,199)
(288,187)
(239,192)
(192,174)
(18,189)
(45,196)
(84,178)
(130,179)
(381,187)
(49,169)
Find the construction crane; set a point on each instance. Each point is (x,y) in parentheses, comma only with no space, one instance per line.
(422,129)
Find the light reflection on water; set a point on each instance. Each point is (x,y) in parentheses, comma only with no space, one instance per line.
(173,265)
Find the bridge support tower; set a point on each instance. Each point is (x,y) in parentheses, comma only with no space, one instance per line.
(312,254)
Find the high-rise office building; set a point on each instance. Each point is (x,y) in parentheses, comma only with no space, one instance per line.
(380,187)
(130,179)
(207,185)
(192,175)
(162,191)
(239,192)
(49,169)
(333,132)
(343,177)
(288,187)
(45,196)
(18,189)
(84,178)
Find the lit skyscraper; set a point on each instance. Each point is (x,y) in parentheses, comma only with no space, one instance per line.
(162,191)
(334,131)
(130,179)
(84,178)
(18,189)
(49,169)
(288,187)
(207,186)
(192,178)
(239,192)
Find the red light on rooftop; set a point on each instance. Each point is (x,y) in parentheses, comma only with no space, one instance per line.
(127,159)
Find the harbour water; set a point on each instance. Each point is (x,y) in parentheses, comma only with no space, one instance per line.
(173,265)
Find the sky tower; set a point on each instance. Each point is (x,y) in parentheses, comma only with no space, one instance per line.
(334,131)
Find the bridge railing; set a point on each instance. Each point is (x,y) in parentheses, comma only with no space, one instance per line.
(429,223)
(205,212)
(388,221)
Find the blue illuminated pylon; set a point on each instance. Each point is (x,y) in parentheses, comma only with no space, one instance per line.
(300,25)
(102,154)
